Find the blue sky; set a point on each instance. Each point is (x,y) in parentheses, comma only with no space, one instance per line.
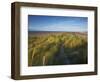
(57,23)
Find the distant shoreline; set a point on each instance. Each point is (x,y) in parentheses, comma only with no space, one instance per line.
(54,32)
(58,31)
(31,33)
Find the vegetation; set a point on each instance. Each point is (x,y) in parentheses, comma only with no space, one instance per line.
(57,49)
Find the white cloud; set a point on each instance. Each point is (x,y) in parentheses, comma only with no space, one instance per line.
(58,27)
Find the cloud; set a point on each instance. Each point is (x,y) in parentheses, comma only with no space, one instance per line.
(70,29)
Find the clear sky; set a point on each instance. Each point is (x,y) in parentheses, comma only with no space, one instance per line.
(57,23)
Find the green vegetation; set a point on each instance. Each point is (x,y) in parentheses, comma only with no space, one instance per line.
(57,49)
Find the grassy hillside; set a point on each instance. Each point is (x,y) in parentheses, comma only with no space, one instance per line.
(57,49)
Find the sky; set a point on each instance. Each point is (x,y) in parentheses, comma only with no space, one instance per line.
(57,23)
